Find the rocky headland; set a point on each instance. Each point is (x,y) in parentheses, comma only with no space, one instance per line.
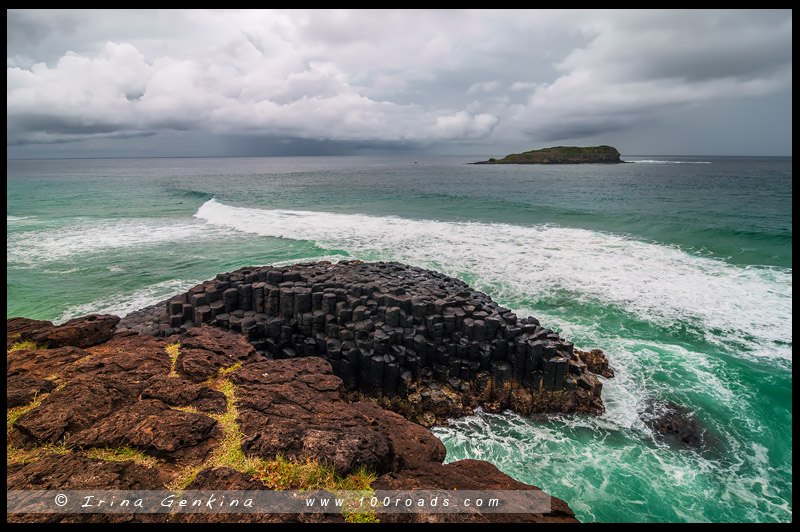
(562,155)
(267,377)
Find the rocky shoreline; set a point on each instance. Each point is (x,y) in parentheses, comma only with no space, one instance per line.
(427,345)
(282,367)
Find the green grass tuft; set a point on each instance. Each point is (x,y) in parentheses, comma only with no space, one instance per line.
(27,345)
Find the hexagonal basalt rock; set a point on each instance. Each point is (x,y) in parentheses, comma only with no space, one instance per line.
(393,331)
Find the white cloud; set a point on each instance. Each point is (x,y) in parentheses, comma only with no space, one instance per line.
(483,86)
(394,76)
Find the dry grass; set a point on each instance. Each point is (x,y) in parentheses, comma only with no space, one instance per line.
(173,350)
(27,345)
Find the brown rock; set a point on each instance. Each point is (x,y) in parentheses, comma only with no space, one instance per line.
(156,429)
(295,408)
(465,475)
(596,362)
(23,329)
(85,331)
(206,350)
(44,362)
(74,472)
(175,391)
(225,478)
(127,355)
(22,389)
(74,408)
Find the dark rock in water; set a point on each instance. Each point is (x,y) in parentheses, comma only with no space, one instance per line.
(674,423)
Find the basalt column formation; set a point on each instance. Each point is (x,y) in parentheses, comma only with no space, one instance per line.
(426,342)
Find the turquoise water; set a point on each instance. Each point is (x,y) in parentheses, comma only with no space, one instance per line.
(680,268)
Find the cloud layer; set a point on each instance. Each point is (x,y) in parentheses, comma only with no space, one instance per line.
(405,77)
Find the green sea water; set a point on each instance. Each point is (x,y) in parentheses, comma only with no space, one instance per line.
(679,268)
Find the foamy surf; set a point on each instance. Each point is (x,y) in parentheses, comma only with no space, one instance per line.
(123,303)
(85,238)
(665,161)
(742,309)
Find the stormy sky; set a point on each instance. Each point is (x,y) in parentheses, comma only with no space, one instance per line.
(248,83)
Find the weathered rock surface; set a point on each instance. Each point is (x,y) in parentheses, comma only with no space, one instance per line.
(44,363)
(206,350)
(75,472)
(175,391)
(74,408)
(467,475)
(84,331)
(156,429)
(296,408)
(22,329)
(22,389)
(562,155)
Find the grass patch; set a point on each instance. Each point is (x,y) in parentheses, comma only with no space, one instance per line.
(229,453)
(27,345)
(14,413)
(122,454)
(224,372)
(279,473)
(15,455)
(189,409)
(173,350)
(283,474)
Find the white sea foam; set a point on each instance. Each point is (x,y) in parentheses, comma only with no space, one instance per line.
(745,309)
(660,161)
(85,238)
(123,303)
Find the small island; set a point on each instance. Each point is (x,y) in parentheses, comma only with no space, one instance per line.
(562,155)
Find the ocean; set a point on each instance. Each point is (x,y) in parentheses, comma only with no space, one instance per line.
(679,268)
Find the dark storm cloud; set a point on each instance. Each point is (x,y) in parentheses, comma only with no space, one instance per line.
(343,79)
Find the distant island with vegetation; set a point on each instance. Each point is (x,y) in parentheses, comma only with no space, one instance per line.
(562,155)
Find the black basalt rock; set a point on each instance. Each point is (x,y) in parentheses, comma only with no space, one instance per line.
(392,330)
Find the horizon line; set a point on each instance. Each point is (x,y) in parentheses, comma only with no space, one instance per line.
(340,155)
